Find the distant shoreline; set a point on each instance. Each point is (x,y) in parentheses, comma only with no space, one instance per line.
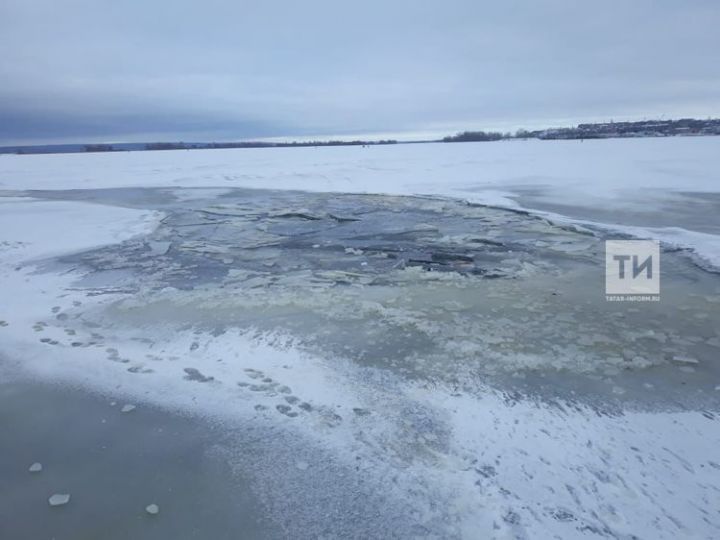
(685,127)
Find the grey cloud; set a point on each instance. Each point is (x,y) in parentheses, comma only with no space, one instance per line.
(100,70)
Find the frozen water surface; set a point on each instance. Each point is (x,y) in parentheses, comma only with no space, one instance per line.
(351,365)
(428,288)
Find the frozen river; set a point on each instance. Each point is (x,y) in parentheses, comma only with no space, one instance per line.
(308,357)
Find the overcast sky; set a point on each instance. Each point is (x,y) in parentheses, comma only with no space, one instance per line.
(137,70)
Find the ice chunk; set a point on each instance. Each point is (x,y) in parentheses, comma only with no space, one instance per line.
(35,467)
(684,359)
(159,248)
(59,499)
(152,509)
(127,408)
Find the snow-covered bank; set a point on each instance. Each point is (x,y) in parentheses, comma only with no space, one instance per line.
(632,175)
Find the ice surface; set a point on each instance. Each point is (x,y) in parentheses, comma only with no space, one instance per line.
(28,227)
(629,178)
(384,287)
(457,361)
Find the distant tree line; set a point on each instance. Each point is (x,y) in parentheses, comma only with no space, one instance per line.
(261,144)
(472,136)
(129,147)
(99,148)
(603,130)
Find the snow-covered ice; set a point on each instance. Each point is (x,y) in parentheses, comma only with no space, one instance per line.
(447,352)
(631,178)
(32,228)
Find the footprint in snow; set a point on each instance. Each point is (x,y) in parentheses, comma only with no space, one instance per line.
(286,410)
(193,374)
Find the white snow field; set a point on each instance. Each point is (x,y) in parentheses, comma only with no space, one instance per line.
(412,366)
(640,176)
